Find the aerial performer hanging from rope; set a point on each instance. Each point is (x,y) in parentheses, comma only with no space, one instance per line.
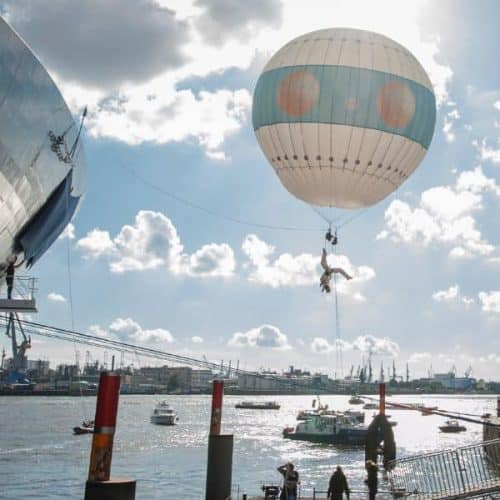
(344,117)
(324,281)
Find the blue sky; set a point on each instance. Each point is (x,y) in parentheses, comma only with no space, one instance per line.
(169,88)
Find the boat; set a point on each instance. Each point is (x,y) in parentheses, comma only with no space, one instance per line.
(452,426)
(305,414)
(87,427)
(164,414)
(355,400)
(258,405)
(370,406)
(358,415)
(329,429)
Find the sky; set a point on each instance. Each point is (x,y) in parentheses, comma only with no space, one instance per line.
(169,85)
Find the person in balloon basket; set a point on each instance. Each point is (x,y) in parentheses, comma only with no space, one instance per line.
(338,485)
(372,480)
(324,281)
(290,481)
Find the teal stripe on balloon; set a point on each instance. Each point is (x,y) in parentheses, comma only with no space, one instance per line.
(345,96)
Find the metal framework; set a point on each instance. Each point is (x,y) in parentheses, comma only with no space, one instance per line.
(467,472)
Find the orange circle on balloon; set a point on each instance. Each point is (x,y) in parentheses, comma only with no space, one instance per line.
(396,104)
(297,93)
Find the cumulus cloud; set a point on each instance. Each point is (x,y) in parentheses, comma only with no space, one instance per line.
(56,297)
(96,243)
(221,20)
(376,345)
(487,152)
(264,336)
(196,340)
(116,42)
(418,357)
(129,330)
(448,124)
(364,343)
(452,295)
(320,345)
(155,46)
(98,330)
(152,242)
(68,233)
(264,268)
(444,216)
(490,301)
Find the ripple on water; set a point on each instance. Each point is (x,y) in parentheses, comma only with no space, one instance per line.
(161,458)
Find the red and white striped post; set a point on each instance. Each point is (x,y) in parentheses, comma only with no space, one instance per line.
(382,398)
(104,427)
(99,484)
(220,450)
(217,398)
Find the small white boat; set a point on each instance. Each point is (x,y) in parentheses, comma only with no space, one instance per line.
(258,405)
(452,426)
(355,400)
(164,414)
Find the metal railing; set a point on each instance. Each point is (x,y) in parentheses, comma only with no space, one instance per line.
(25,287)
(459,473)
(354,494)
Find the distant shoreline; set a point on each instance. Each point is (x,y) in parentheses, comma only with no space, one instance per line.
(371,393)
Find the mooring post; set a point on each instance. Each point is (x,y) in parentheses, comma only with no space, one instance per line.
(382,398)
(99,485)
(220,451)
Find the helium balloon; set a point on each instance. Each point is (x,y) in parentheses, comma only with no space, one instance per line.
(344,116)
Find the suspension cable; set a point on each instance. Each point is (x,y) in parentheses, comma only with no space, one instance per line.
(209,211)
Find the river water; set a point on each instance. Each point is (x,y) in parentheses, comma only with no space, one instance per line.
(40,458)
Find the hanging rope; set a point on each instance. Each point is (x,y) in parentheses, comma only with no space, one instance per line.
(211,212)
(338,348)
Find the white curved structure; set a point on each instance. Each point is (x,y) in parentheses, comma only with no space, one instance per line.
(344,116)
(42,180)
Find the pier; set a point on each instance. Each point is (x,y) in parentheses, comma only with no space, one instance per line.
(465,472)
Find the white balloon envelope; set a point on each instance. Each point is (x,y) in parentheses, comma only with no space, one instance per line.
(344,116)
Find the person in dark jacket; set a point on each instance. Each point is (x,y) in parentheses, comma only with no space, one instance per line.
(372,480)
(338,485)
(9,276)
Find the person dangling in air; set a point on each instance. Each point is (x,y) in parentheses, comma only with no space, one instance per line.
(327,274)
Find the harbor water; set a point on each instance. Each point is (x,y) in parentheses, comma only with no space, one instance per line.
(40,458)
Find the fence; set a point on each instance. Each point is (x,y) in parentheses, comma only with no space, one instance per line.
(460,473)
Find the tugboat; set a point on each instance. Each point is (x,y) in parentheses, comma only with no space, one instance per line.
(258,405)
(329,429)
(452,426)
(164,414)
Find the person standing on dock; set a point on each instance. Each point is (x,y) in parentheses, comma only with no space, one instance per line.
(372,480)
(290,481)
(9,276)
(337,486)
